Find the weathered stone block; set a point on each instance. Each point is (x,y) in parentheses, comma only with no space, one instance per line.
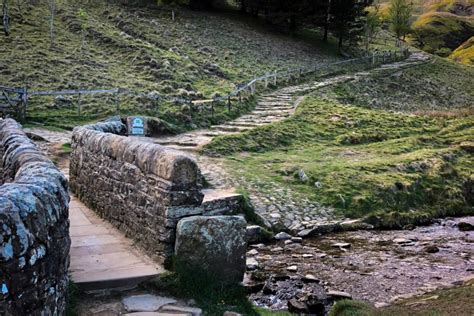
(214,243)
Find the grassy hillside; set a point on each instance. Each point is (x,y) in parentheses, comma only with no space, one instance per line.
(440,26)
(104,45)
(437,86)
(389,167)
(442,32)
(464,54)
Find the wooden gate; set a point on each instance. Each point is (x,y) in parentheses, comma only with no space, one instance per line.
(13,102)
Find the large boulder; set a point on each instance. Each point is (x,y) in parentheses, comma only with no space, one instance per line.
(212,244)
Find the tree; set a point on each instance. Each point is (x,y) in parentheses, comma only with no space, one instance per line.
(347,20)
(399,17)
(372,23)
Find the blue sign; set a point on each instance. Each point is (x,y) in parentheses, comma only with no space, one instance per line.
(138,126)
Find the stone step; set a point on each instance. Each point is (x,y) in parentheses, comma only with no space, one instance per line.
(221,202)
(273,104)
(272,113)
(276,99)
(230,128)
(246,123)
(262,108)
(255,119)
(215,133)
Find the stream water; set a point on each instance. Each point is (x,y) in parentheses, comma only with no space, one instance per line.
(376,266)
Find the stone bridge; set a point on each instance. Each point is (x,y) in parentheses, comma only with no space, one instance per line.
(152,194)
(143,189)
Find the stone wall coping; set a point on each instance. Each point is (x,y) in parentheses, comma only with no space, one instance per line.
(108,138)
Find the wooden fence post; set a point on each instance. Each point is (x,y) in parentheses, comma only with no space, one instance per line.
(79,105)
(24,103)
(117,102)
(275,78)
(212,109)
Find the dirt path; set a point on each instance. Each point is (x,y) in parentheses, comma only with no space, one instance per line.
(277,207)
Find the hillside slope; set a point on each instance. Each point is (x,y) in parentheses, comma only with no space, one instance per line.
(440,26)
(393,147)
(104,45)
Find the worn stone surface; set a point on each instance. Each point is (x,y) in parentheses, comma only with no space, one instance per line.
(146,303)
(34,228)
(141,188)
(375,268)
(221,243)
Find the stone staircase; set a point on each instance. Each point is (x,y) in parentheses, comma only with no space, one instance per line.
(272,107)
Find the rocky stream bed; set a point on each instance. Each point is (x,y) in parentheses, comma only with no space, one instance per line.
(308,275)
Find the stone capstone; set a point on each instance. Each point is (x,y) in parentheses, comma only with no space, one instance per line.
(214,243)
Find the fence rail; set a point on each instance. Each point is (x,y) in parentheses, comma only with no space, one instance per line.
(17,98)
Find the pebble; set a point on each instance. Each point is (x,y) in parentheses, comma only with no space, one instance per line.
(283,236)
(465,226)
(337,295)
(341,245)
(292,268)
(307,255)
(252,264)
(298,240)
(431,249)
(310,278)
(252,252)
(401,241)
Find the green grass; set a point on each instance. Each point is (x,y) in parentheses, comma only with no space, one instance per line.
(390,168)
(440,85)
(73,299)
(453,301)
(464,54)
(442,32)
(140,49)
(210,294)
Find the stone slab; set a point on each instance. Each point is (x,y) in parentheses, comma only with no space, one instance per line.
(146,303)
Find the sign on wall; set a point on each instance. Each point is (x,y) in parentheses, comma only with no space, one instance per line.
(136,126)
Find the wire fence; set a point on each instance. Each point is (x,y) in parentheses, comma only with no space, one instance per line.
(17,98)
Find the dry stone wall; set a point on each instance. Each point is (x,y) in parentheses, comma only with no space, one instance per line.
(34,227)
(142,188)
